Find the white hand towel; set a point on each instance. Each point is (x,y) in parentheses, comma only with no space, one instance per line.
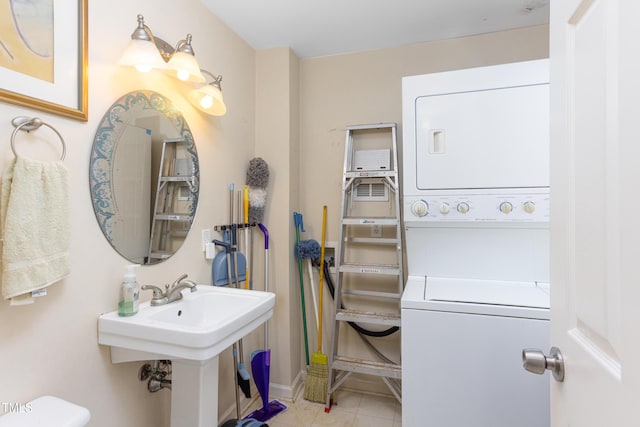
(35,226)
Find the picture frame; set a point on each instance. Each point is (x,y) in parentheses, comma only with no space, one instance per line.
(63,91)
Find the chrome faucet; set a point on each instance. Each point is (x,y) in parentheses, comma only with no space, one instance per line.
(171,292)
(174,292)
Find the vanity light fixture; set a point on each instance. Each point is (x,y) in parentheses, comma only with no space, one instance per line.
(183,60)
(208,98)
(146,52)
(142,52)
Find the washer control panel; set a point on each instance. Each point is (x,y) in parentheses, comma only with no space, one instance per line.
(521,207)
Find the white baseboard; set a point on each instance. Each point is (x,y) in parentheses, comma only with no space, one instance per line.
(288,392)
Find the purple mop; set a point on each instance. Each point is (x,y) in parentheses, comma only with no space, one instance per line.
(261,359)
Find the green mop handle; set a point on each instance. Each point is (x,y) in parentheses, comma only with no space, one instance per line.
(297,220)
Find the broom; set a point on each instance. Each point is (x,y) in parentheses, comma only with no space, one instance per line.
(315,387)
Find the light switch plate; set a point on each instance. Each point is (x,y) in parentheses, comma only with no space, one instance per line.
(206,238)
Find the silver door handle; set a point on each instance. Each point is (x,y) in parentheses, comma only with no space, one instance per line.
(534,360)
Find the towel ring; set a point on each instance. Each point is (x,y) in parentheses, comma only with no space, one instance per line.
(32,123)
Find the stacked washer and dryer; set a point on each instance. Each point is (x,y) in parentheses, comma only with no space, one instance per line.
(476,215)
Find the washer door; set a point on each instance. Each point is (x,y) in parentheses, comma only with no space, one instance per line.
(461,370)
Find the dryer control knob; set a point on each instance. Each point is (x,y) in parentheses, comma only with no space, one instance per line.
(506,207)
(444,208)
(420,208)
(529,207)
(463,207)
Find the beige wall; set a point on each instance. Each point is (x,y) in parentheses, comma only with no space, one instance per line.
(288,111)
(51,347)
(359,88)
(277,96)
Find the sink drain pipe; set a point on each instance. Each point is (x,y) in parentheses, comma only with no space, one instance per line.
(156,375)
(157,384)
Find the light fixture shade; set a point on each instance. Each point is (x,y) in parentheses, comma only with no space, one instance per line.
(142,54)
(208,99)
(186,67)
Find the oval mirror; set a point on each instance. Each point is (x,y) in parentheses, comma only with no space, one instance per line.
(144,177)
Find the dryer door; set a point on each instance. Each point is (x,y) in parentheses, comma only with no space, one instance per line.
(496,138)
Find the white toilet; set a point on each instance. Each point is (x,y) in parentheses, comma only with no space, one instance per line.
(47,411)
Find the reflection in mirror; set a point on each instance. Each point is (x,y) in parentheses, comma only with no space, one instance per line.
(144,177)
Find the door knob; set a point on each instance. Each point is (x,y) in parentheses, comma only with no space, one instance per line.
(535,361)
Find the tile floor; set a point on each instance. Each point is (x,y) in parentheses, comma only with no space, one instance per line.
(350,409)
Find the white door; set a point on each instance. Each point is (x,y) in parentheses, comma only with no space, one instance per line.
(132,193)
(595,226)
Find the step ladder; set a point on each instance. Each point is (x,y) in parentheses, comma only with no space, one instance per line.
(175,176)
(369,267)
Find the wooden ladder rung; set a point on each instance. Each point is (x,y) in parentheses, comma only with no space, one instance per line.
(348,315)
(368,367)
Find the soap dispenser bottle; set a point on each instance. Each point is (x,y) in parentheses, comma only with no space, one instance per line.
(129,292)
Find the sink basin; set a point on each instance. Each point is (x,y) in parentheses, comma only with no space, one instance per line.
(191,332)
(198,327)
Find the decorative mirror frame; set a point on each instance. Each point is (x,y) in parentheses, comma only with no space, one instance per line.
(109,131)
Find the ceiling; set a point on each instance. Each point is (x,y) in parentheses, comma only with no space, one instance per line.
(330,27)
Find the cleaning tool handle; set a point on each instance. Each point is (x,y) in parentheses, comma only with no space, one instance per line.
(231,203)
(297,218)
(247,249)
(226,245)
(266,235)
(266,274)
(298,222)
(324,227)
(246,204)
(234,235)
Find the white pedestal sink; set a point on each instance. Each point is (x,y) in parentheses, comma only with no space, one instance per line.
(191,332)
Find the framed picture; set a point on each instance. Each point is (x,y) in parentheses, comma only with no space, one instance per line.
(43,55)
